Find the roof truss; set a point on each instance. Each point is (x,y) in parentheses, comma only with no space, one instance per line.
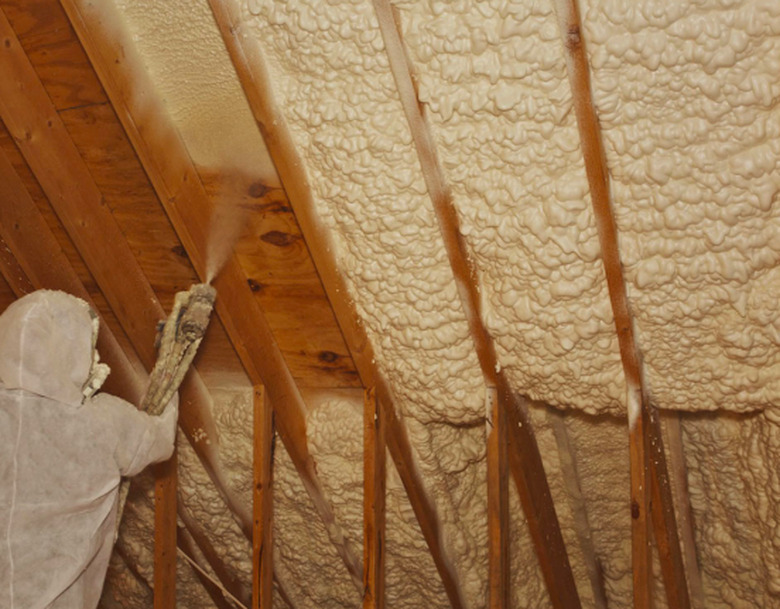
(48,149)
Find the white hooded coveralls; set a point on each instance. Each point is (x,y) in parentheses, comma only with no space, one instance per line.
(61,456)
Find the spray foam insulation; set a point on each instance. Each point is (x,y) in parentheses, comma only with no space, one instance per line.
(687,95)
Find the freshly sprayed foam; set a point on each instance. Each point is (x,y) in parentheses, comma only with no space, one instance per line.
(185,55)
(687,95)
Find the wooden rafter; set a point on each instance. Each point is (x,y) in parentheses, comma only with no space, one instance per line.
(262,501)
(34,248)
(374,476)
(186,544)
(526,463)
(250,67)
(650,488)
(497,503)
(33,244)
(132,568)
(673,441)
(12,271)
(577,504)
(181,191)
(38,130)
(31,118)
(228,580)
(165,532)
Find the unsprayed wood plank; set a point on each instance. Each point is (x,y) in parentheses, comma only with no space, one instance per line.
(63,67)
(374,480)
(262,501)
(497,502)
(281,275)
(33,16)
(179,187)
(29,115)
(166,480)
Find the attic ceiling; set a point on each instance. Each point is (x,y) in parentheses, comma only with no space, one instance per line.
(567,211)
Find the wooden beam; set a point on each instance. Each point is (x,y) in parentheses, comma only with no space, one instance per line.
(186,545)
(165,484)
(38,251)
(579,509)
(132,568)
(181,191)
(525,463)
(229,581)
(528,470)
(374,477)
(262,502)
(32,242)
(498,502)
(31,118)
(43,140)
(649,473)
(249,63)
(11,270)
(677,573)
(673,441)
(641,534)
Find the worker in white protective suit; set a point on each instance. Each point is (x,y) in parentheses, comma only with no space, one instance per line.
(62,452)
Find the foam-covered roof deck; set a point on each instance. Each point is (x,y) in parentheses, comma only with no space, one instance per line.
(544,236)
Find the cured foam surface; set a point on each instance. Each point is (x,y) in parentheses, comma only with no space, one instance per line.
(493,78)
(735,495)
(335,430)
(689,101)
(338,96)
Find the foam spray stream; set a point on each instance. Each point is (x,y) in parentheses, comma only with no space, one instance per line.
(227,222)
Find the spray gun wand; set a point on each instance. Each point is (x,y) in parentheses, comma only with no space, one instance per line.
(177,342)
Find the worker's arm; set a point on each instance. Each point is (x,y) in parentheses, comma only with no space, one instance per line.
(142,439)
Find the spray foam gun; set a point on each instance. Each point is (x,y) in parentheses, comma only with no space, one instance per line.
(178,339)
(177,343)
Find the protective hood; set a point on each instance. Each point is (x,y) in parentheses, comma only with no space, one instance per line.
(47,346)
